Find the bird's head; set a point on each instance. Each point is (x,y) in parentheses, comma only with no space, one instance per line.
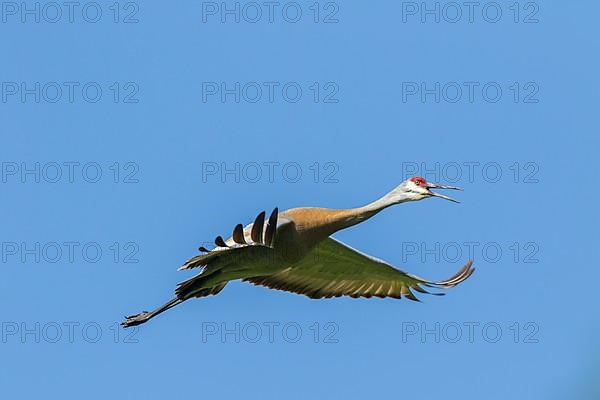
(417,188)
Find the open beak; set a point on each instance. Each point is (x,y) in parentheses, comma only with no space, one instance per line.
(441,196)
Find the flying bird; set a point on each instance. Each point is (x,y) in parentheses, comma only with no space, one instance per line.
(294,251)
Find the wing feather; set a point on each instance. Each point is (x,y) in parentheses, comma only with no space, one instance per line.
(271,226)
(229,247)
(238,234)
(334,269)
(257,228)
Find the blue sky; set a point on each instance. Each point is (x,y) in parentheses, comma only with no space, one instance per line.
(126,145)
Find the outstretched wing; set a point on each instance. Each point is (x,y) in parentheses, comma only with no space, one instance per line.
(333,269)
(256,235)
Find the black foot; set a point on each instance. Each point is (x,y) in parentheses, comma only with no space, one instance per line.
(136,319)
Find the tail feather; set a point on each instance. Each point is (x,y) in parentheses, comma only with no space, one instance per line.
(198,261)
(193,288)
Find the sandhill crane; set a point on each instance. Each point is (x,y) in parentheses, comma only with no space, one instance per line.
(294,251)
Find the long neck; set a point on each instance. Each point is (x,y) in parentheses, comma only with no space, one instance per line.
(346,218)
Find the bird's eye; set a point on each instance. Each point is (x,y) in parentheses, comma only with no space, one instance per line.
(418,183)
